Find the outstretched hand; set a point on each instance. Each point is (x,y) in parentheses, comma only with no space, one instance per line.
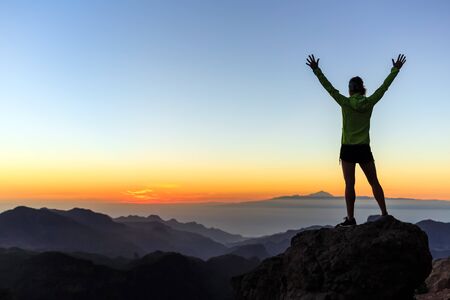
(401,59)
(312,62)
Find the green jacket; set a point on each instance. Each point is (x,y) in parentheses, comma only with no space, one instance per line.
(356,109)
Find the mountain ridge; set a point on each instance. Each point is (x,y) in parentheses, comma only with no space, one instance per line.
(213,233)
(319,194)
(87,231)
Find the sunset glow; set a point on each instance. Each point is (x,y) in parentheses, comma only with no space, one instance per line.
(156,102)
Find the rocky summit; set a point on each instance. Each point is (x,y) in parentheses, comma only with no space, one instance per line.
(385,259)
(438,283)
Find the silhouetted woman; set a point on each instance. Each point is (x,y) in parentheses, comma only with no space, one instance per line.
(355,148)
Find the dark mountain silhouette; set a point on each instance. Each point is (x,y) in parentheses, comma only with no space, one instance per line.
(87,231)
(250,250)
(438,237)
(386,259)
(53,275)
(118,262)
(104,259)
(90,218)
(153,236)
(135,218)
(229,265)
(42,229)
(182,277)
(440,253)
(158,275)
(82,230)
(276,243)
(215,234)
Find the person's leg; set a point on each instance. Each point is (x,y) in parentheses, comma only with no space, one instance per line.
(371,174)
(348,168)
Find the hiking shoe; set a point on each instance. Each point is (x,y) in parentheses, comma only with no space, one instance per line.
(347,222)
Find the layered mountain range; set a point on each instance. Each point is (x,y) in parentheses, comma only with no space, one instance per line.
(28,275)
(82,254)
(83,230)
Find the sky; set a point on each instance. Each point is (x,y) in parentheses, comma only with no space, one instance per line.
(191,101)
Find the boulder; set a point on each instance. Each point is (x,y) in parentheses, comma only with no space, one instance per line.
(383,259)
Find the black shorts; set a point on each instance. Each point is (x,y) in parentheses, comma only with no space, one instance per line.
(359,153)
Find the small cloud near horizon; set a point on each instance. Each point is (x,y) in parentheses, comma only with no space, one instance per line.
(149,192)
(145,194)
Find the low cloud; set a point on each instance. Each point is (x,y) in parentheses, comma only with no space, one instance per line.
(145,194)
(150,193)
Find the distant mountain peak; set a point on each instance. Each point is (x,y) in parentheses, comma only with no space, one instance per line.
(22,208)
(155,218)
(81,210)
(320,194)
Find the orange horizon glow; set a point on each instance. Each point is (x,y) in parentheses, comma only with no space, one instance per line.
(192,192)
(185,198)
(176,182)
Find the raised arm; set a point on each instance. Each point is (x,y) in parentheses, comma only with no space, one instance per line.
(378,94)
(311,61)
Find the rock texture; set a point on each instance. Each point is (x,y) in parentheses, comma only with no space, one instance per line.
(438,283)
(385,259)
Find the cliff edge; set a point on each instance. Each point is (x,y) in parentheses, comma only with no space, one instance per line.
(384,259)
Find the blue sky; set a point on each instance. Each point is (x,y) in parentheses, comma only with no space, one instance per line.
(220,82)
